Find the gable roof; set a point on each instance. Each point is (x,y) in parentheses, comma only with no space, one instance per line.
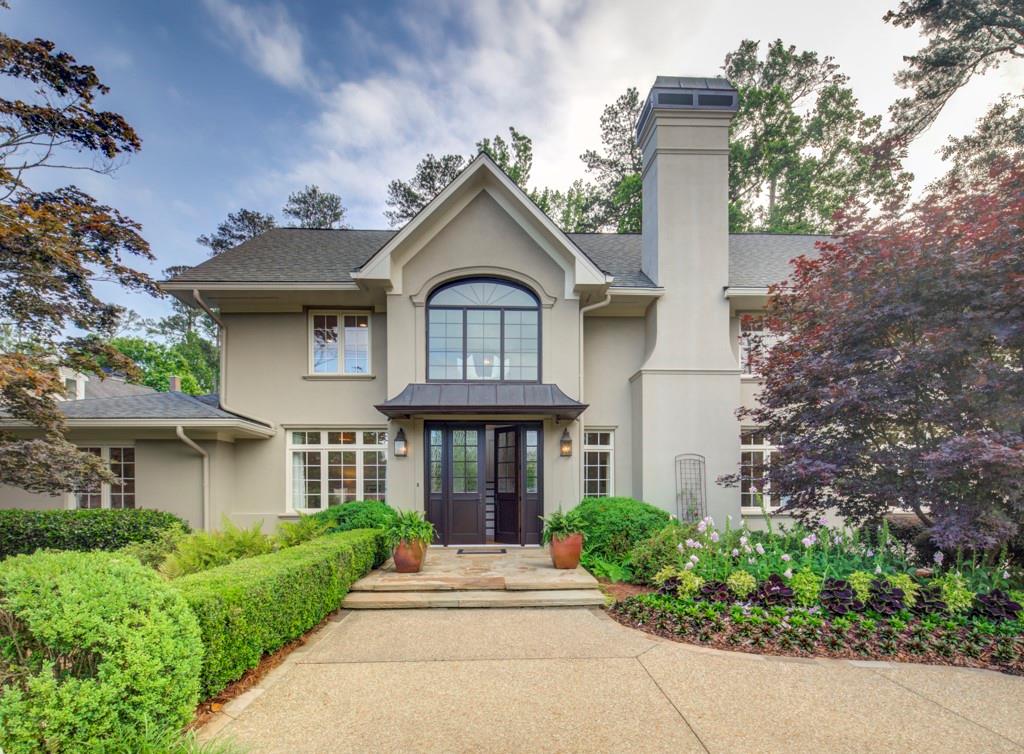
(301,255)
(113,386)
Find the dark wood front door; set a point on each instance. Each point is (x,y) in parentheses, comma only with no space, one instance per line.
(456,477)
(507,521)
(455,482)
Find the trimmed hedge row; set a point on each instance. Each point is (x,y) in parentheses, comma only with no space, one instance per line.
(25,531)
(93,647)
(256,605)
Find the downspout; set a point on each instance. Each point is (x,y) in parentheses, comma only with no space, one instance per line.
(583,310)
(180,432)
(222,339)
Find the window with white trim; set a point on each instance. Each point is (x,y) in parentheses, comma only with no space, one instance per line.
(755,342)
(334,466)
(756,450)
(339,342)
(598,463)
(118,494)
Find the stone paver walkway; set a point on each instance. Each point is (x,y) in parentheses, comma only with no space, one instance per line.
(572,679)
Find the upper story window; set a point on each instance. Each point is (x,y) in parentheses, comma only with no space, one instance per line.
(483,330)
(755,342)
(339,342)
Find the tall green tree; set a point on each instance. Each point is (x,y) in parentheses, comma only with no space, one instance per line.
(238,227)
(963,39)
(617,191)
(157,363)
(313,208)
(406,198)
(800,146)
(53,245)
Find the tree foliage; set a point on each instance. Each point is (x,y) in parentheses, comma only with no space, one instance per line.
(799,144)
(616,195)
(964,38)
(406,198)
(238,227)
(53,246)
(193,358)
(313,208)
(998,137)
(899,378)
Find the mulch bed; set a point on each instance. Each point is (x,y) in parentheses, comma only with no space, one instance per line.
(664,627)
(210,707)
(619,590)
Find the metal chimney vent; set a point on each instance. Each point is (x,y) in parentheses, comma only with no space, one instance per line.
(687,93)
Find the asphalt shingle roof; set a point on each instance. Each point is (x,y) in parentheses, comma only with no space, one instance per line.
(148,406)
(113,387)
(300,255)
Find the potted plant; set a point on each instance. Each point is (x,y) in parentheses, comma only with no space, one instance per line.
(563,533)
(408,536)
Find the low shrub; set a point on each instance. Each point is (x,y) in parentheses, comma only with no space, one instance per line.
(612,526)
(361,514)
(154,552)
(23,531)
(806,587)
(256,605)
(203,550)
(653,553)
(93,646)
(291,533)
(741,583)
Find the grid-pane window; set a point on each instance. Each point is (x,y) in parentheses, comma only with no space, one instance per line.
(465,460)
(436,460)
(598,463)
(331,467)
(532,459)
(340,343)
(118,494)
(755,454)
(756,340)
(483,330)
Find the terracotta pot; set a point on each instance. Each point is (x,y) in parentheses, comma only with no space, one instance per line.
(409,556)
(565,552)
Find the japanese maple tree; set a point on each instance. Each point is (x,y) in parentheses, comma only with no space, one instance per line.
(899,379)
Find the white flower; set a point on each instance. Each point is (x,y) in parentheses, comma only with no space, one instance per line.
(747,549)
(785,557)
(694,559)
(735,553)
(680,547)
(701,527)
(688,566)
(878,569)
(728,517)
(751,561)
(673,517)
(760,548)
(743,539)
(1006,574)
(938,557)
(870,553)
(714,536)
(809,540)
(789,573)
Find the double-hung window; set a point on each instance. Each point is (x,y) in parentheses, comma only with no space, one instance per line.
(330,467)
(339,343)
(756,450)
(120,493)
(755,342)
(598,463)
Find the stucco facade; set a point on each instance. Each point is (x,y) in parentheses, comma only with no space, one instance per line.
(636,337)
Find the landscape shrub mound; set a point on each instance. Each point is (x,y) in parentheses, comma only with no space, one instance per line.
(24,531)
(93,646)
(256,605)
(360,514)
(613,525)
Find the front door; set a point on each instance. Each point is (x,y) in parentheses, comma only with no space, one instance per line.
(507,488)
(456,482)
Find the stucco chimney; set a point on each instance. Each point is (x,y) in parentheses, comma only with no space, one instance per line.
(174,383)
(683,133)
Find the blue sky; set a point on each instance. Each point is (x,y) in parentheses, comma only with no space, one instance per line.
(239,103)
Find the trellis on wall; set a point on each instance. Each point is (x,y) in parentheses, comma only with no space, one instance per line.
(691,487)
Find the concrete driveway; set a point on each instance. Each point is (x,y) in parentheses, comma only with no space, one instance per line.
(571,679)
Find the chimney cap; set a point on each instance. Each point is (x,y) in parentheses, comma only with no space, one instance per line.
(688,93)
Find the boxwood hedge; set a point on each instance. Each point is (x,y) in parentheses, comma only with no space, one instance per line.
(613,525)
(93,646)
(25,531)
(256,605)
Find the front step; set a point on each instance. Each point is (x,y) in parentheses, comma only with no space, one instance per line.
(473,598)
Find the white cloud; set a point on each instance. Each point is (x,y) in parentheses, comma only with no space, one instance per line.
(269,39)
(549,68)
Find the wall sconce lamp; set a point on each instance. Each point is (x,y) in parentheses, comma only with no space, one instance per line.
(565,446)
(401,446)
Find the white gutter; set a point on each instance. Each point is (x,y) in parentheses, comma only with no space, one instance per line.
(180,432)
(222,337)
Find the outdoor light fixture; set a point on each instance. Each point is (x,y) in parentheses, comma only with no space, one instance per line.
(566,445)
(401,446)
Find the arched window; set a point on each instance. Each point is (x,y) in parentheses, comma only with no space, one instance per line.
(483,329)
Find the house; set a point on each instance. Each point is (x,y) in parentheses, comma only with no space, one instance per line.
(478,364)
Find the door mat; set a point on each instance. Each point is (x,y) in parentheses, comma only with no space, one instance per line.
(466,551)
